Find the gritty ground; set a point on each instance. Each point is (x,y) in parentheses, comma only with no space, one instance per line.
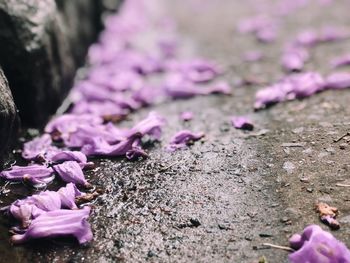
(225,196)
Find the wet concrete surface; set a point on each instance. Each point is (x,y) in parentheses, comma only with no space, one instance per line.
(221,199)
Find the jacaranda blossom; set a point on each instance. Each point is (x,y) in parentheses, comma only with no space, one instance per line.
(37,148)
(58,223)
(68,123)
(315,245)
(338,80)
(294,58)
(24,210)
(242,123)
(290,88)
(71,172)
(343,60)
(37,175)
(182,139)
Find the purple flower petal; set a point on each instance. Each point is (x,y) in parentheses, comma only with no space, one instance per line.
(152,126)
(307,38)
(31,207)
(68,194)
(85,133)
(242,123)
(220,87)
(290,88)
(58,223)
(199,70)
(35,174)
(87,92)
(254,24)
(37,147)
(146,95)
(99,147)
(316,245)
(63,156)
(71,172)
(135,152)
(267,35)
(24,212)
(343,60)
(27,209)
(69,123)
(179,88)
(311,38)
(294,58)
(107,77)
(168,47)
(186,115)
(183,139)
(105,109)
(331,34)
(339,80)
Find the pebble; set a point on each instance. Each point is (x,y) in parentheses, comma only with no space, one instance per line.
(310,190)
(195,222)
(265,235)
(342,146)
(289,167)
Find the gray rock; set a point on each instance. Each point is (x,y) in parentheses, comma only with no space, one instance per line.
(42,42)
(8,117)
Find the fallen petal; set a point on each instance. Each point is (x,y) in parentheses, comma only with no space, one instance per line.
(99,147)
(186,116)
(68,196)
(36,147)
(19,173)
(339,80)
(183,139)
(68,123)
(344,60)
(63,156)
(242,123)
(71,172)
(56,224)
(316,245)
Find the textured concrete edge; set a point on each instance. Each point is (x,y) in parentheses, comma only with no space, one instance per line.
(9,120)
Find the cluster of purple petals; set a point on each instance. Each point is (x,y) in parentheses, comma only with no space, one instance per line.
(116,83)
(317,245)
(50,214)
(297,52)
(299,85)
(57,223)
(310,38)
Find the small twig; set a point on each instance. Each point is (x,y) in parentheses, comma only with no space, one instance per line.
(343,185)
(168,167)
(278,247)
(293,145)
(342,137)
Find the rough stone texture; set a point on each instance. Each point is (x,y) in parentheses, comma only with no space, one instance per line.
(8,117)
(42,42)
